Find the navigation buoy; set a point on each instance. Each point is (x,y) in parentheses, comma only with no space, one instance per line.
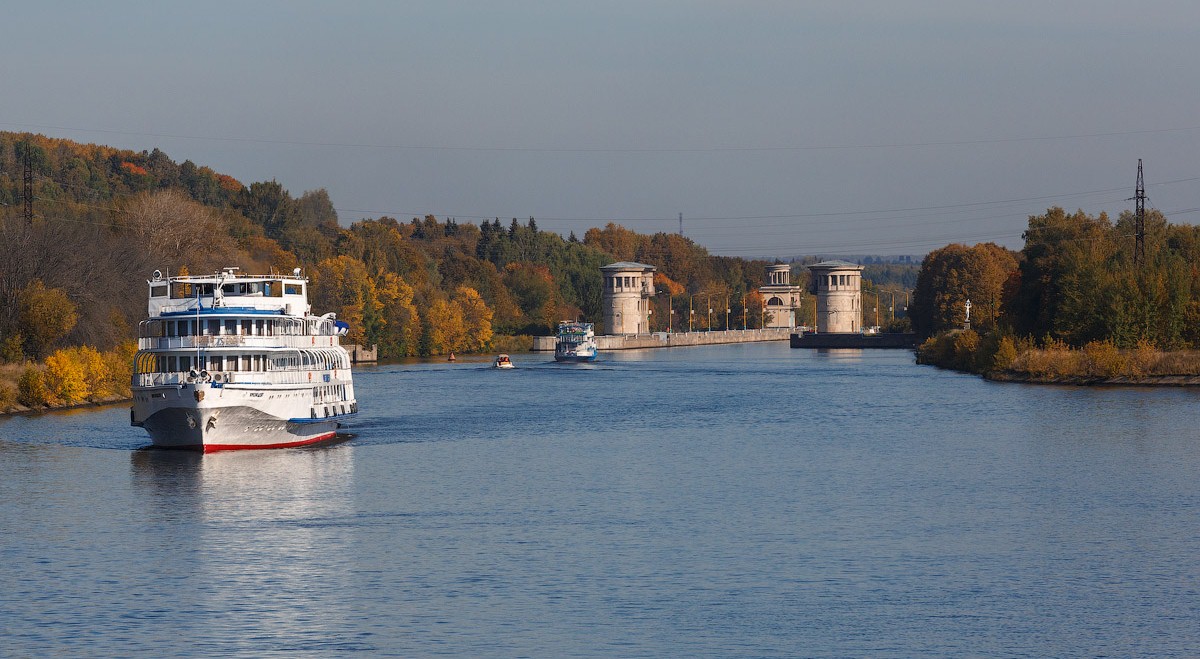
(450,358)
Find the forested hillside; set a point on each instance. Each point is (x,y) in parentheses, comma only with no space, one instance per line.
(105,218)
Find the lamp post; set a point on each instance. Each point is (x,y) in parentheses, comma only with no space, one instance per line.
(670,307)
(691,312)
(744,311)
(726,313)
(708,323)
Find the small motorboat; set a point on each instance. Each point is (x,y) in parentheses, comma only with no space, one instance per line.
(502,361)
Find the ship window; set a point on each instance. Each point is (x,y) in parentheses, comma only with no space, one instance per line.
(172,364)
(247,327)
(292,289)
(216,363)
(230,326)
(258,327)
(185,363)
(232,363)
(158,291)
(246,362)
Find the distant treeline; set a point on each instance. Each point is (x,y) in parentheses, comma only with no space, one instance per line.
(105,218)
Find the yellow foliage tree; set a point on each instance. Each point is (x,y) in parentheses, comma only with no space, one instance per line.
(401,332)
(477,319)
(444,328)
(341,285)
(118,371)
(66,378)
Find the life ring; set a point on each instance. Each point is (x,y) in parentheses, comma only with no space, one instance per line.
(310,376)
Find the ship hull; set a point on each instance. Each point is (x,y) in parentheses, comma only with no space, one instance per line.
(181,422)
(578,359)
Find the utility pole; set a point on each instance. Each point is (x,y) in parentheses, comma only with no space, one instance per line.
(1139,222)
(28,182)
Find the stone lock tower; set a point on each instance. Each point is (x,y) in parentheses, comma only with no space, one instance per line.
(781,298)
(838,288)
(628,288)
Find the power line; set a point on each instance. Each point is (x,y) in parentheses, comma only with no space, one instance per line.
(717,218)
(578,149)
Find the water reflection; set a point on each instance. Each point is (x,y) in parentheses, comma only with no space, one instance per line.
(261,534)
(840,354)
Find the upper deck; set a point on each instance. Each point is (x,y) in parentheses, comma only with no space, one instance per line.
(227,290)
(575,329)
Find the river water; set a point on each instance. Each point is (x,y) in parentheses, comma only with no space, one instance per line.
(745,500)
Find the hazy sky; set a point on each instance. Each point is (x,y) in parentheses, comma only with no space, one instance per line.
(776,128)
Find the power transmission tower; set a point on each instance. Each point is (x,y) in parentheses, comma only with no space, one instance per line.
(28,183)
(1139,221)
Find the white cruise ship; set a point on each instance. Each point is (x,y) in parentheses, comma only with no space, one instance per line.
(227,361)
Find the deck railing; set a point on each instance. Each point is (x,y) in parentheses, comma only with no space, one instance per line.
(235,341)
(306,378)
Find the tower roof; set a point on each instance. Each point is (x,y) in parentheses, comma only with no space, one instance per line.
(627,265)
(835,265)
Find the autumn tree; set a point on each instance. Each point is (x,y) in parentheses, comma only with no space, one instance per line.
(401,331)
(615,239)
(535,292)
(342,285)
(45,315)
(954,274)
(444,328)
(477,319)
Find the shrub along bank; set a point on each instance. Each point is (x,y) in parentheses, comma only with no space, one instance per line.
(69,377)
(1001,357)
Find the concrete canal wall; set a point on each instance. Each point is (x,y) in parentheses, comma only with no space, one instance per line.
(674,339)
(906,340)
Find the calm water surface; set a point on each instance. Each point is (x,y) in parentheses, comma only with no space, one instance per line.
(727,501)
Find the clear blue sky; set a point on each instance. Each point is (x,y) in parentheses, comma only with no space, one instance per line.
(776,128)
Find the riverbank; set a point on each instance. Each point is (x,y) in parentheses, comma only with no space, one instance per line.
(17,409)
(1090,381)
(1099,363)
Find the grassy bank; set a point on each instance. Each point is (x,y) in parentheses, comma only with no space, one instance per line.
(1004,358)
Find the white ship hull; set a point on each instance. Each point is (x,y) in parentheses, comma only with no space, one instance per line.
(581,353)
(229,418)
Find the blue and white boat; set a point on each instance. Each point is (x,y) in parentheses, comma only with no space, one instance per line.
(227,361)
(575,342)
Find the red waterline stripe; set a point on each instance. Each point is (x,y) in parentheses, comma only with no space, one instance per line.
(209,448)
